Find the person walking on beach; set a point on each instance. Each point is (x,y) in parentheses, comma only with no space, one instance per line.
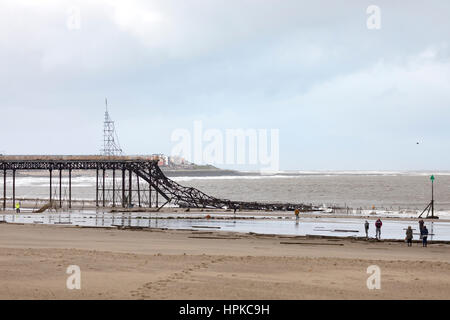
(378,225)
(409,236)
(424,236)
(366,227)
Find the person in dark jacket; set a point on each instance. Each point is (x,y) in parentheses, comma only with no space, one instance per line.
(409,236)
(366,227)
(421,223)
(424,236)
(378,225)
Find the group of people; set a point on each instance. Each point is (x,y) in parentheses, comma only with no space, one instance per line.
(378,225)
(423,234)
(409,232)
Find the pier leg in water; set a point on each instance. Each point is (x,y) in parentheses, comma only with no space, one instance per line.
(70,188)
(114,188)
(50,186)
(4,190)
(96,188)
(14,189)
(138,191)
(60,188)
(103,188)
(123,188)
(130,175)
(150,189)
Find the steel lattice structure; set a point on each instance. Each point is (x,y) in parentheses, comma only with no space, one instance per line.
(148,170)
(111,146)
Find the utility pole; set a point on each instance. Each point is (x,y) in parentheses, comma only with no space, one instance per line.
(111,148)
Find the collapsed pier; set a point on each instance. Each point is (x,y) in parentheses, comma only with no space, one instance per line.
(144,169)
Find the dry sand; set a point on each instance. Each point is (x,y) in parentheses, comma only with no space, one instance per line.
(167,264)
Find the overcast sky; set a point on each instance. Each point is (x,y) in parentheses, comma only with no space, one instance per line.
(343,96)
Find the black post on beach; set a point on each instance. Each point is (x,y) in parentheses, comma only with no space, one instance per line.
(432,196)
(430,206)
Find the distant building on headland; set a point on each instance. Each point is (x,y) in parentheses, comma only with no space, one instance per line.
(170,161)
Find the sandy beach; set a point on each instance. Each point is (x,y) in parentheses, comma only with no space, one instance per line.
(186,264)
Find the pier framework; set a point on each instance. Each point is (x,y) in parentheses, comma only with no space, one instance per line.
(144,169)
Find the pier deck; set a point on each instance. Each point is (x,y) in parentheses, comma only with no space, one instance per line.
(129,168)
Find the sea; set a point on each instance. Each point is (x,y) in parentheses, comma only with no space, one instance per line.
(366,194)
(361,189)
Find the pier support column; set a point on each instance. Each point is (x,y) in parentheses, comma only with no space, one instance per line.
(70,188)
(123,188)
(130,188)
(139,191)
(4,189)
(50,186)
(96,188)
(114,189)
(150,189)
(103,188)
(14,189)
(60,188)
(157,202)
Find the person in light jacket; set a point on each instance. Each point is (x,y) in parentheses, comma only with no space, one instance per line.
(409,236)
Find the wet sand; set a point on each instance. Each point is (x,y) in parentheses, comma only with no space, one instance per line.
(186,264)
